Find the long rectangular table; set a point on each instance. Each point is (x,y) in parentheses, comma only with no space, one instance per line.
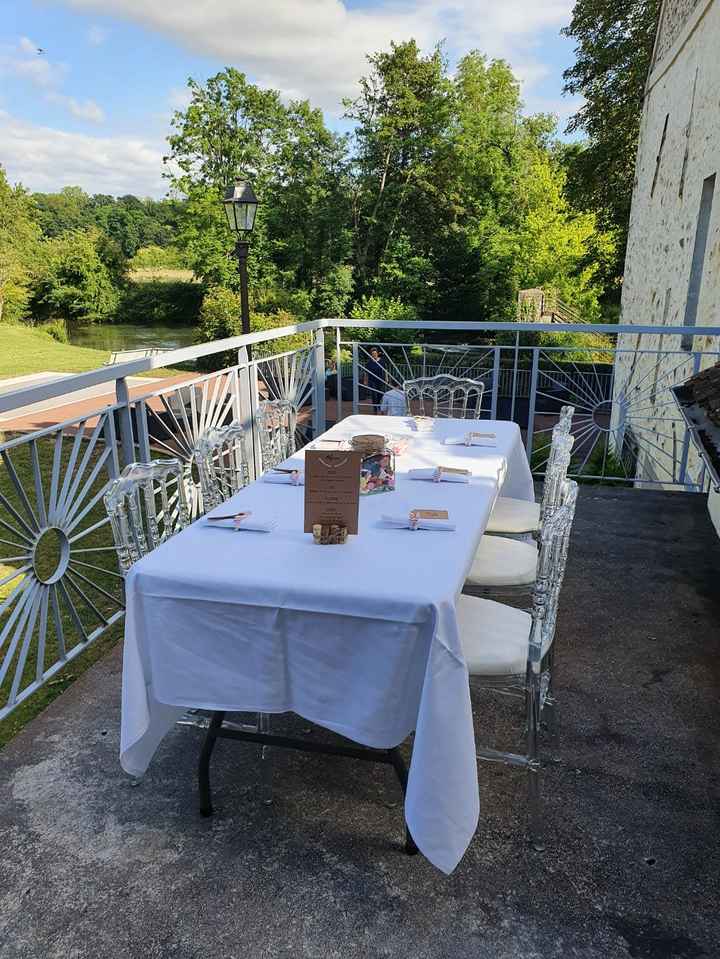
(360,638)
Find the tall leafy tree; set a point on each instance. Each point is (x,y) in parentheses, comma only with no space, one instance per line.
(234,129)
(72,282)
(614,42)
(19,245)
(402,118)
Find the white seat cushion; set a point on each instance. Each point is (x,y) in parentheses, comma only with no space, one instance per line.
(495,638)
(503,562)
(514,516)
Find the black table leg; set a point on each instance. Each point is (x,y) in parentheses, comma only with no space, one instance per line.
(401,769)
(204,765)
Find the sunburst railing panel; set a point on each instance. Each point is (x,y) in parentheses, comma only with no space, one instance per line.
(60,588)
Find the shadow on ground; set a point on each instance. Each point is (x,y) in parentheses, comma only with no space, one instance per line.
(94,866)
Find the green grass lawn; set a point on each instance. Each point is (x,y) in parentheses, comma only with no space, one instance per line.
(24,350)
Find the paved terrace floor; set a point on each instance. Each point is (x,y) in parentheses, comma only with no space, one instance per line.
(91,866)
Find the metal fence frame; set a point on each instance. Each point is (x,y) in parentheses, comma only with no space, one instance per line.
(167,419)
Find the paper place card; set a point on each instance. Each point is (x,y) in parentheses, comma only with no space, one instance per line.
(429,514)
(332,489)
(441,474)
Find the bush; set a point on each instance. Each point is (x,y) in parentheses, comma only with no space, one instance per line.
(57,329)
(162,303)
(220,318)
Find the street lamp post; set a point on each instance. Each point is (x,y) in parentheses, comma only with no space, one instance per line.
(240,204)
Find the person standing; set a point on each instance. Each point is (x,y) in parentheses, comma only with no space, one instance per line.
(375,379)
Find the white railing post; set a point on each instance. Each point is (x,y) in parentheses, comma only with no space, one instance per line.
(127,443)
(338,374)
(495,383)
(355,378)
(245,408)
(531,403)
(697,358)
(319,383)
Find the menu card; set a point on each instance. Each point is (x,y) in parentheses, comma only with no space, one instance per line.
(332,489)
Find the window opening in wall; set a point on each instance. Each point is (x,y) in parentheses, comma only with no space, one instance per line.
(658,158)
(697,267)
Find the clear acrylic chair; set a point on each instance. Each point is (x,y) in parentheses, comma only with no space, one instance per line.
(565,418)
(222,461)
(146,505)
(276,421)
(444,396)
(517,516)
(504,566)
(511,651)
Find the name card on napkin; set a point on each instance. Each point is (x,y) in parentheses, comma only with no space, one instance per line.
(332,489)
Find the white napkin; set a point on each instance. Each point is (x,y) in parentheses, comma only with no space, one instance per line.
(290,479)
(431,473)
(423,424)
(486,439)
(403,522)
(250,522)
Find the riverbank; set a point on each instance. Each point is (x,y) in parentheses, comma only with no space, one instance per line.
(24,350)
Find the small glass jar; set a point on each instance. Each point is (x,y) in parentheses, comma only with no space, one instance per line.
(377,472)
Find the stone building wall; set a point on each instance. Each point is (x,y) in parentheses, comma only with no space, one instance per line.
(678,155)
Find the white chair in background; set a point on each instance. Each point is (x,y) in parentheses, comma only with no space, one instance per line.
(222,461)
(146,505)
(444,396)
(276,421)
(517,516)
(510,651)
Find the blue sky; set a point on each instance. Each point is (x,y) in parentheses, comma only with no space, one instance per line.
(93,108)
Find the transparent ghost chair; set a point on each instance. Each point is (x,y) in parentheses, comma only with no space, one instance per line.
(276,421)
(222,462)
(511,651)
(505,565)
(517,516)
(146,505)
(444,396)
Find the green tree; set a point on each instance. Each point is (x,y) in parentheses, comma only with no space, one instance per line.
(614,42)
(72,282)
(19,242)
(233,129)
(402,117)
(58,213)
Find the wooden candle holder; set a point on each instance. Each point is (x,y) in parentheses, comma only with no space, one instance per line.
(329,535)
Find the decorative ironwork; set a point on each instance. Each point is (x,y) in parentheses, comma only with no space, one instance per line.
(59,586)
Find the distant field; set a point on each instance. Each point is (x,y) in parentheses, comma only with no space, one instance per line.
(149,274)
(24,350)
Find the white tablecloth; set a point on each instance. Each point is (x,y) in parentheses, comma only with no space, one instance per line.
(360,638)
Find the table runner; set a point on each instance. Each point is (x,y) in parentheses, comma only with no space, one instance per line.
(360,638)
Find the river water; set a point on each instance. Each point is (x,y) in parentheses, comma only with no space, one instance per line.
(132,336)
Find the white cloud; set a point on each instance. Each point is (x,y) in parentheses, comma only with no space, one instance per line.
(320,45)
(45,159)
(82,109)
(28,46)
(96,36)
(24,61)
(179,98)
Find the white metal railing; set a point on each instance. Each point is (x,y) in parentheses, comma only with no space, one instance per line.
(60,588)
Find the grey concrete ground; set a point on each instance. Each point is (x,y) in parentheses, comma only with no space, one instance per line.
(91,866)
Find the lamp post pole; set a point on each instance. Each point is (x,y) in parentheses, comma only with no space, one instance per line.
(241,252)
(240,205)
